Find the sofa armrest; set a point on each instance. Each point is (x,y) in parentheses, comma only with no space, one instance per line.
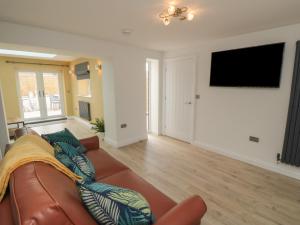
(91,143)
(188,212)
(5,211)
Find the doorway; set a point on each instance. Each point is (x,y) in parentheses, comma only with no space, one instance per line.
(40,95)
(148,88)
(179,98)
(152,96)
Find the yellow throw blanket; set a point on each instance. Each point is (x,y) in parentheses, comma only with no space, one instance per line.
(28,149)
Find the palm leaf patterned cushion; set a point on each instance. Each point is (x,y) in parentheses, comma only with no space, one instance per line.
(111,205)
(75,161)
(64,136)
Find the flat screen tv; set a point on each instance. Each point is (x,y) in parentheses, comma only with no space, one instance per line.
(248,67)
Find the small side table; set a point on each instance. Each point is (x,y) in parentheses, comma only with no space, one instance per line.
(17,122)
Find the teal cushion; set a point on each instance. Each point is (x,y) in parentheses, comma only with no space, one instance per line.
(111,205)
(64,136)
(75,161)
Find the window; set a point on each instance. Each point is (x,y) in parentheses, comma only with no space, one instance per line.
(84,88)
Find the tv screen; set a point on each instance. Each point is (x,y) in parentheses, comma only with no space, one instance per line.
(248,67)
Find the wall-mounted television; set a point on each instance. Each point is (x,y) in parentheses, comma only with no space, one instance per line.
(258,66)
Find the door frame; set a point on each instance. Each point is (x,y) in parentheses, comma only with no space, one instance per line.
(194,77)
(148,77)
(39,72)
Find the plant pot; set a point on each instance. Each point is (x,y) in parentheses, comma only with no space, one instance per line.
(101,135)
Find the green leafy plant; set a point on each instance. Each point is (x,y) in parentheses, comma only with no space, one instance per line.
(98,125)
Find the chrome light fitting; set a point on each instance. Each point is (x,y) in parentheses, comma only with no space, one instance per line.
(182,13)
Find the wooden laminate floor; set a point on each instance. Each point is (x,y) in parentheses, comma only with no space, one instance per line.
(236,193)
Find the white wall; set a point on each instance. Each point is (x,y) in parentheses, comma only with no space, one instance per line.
(4,139)
(226,117)
(124,91)
(109,103)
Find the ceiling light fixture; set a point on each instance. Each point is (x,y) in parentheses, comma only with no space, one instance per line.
(190,16)
(182,13)
(26,53)
(166,21)
(171,9)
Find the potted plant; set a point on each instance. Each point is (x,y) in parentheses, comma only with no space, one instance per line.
(99,127)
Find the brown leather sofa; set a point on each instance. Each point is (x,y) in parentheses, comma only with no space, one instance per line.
(41,195)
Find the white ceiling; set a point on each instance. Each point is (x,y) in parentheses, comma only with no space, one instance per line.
(105,19)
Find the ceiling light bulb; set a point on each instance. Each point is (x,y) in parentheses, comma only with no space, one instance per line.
(171,9)
(190,16)
(166,21)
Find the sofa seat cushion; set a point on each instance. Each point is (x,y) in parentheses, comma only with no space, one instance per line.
(159,203)
(104,164)
(5,211)
(42,195)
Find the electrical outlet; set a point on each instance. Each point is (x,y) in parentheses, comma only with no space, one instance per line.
(123,125)
(253,139)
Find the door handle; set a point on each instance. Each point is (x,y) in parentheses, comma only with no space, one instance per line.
(188,103)
(43,93)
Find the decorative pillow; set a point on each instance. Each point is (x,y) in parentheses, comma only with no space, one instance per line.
(111,205)
(75,161)
(64,136)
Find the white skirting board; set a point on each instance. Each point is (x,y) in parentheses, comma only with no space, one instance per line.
(131,141)
(114,143)
(277,168)
(110,142)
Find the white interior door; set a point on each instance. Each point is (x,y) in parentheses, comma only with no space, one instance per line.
(40,95)
(179,98)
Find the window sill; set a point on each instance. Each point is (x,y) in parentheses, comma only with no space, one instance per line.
(84,96)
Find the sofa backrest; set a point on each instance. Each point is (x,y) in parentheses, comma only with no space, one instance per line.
(41,195)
